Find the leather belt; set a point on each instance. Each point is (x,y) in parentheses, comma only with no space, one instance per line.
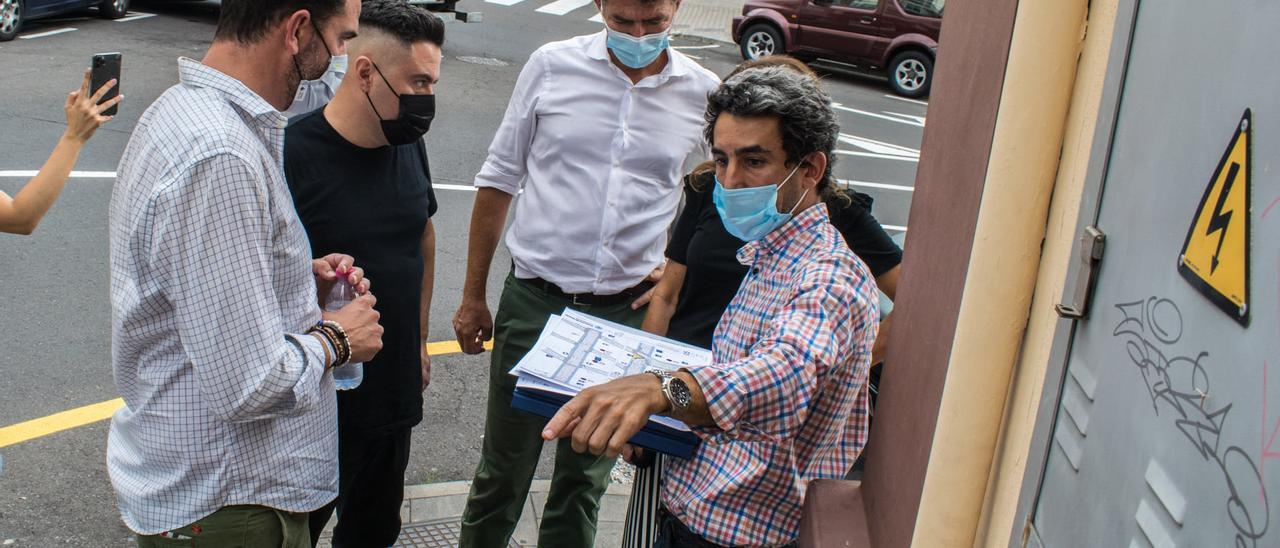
(589,299)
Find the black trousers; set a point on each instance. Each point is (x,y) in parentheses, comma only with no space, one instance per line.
(673,534)
(370,491)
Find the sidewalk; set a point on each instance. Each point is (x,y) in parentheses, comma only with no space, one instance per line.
(708,19)
(432,513)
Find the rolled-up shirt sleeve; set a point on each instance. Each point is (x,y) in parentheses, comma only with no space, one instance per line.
(505,167)
(766,395)
(213,252)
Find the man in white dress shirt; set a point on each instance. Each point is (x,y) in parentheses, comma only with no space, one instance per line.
(597,134)
(228,435)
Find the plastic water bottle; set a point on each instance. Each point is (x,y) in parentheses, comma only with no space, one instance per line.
(349,375)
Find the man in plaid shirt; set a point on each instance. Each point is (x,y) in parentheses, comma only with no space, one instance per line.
(785,401)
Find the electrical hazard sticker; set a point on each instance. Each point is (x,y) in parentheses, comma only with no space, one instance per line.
(1215,257)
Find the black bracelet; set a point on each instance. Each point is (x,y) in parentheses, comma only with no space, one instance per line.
(340,334)
(330,342)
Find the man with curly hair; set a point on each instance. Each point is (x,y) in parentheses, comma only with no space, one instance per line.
(784,401)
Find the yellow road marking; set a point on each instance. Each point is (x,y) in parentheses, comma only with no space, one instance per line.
(58,422)
(89,414)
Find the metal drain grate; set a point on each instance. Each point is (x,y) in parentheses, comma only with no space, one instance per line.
(440,533)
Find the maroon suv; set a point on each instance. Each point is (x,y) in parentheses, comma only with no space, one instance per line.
(898,36)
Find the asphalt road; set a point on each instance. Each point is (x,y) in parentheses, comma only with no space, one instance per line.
(54,320)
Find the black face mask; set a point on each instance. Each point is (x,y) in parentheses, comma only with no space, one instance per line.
(416,112)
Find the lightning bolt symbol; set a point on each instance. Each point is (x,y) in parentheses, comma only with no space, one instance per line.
(1220,220)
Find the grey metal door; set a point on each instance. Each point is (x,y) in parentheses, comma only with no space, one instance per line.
(1167,430)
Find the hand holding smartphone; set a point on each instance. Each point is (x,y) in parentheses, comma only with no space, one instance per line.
(105,67)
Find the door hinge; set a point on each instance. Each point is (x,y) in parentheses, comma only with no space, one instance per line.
(1092,242)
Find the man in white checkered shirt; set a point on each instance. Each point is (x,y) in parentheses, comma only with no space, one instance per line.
(229,429)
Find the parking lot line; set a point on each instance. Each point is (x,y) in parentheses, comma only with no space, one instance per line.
(136,16)
(561,7)
(89,414)
(47,33)
(870,184)
(57,422)
(907,121)
(29,173)
(916,101)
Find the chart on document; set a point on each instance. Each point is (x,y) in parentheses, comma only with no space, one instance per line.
(576,351)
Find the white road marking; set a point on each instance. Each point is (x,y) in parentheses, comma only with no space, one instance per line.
(899,228)
(897,119)
(916,101)
(136,16)
(27,174)
(504,2)
(874,155)
(561,7)
(919,119)
(870,184)
(597,18)
(879,147)
(47,33)
(465,188)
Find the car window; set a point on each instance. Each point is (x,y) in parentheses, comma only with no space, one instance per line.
(925,8)
(858,4)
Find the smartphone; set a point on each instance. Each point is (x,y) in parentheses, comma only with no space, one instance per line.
(104,68)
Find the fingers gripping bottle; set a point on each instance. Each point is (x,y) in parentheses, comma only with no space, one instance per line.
(348,375)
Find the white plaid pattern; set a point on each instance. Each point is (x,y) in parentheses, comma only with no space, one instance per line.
(226,401)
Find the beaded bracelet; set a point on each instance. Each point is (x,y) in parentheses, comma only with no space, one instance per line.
(339,334)
(328,342)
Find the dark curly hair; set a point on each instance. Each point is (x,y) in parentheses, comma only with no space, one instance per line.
(805,119)
(407,23)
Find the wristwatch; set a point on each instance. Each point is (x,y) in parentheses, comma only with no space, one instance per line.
(678,395)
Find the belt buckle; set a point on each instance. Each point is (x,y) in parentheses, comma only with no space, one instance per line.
(574,300)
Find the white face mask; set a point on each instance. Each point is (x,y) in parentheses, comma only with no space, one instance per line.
(338,63)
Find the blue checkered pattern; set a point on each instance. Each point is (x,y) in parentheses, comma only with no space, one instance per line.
(226,400)
(787,388)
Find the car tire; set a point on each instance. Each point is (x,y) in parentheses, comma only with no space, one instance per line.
(760,40)
(911,74)
(10,19)
(113,9)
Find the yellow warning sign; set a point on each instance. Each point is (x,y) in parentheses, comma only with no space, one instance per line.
(1215,257)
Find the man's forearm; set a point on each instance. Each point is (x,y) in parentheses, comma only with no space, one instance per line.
(488,216)
(698,413)
(428,280)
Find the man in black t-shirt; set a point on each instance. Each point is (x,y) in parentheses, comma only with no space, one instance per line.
(358,173)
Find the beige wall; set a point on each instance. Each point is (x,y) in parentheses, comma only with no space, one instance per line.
(1004,269)
(1009,466)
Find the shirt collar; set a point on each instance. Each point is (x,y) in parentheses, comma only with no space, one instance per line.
(799,232)
(677,63)
(199,75)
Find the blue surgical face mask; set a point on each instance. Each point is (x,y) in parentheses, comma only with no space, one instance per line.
(751,213)
(637,53)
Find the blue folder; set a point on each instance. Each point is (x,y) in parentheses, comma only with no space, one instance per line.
(653,436)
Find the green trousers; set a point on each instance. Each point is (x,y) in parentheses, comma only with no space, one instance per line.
(238,527)
(513,439)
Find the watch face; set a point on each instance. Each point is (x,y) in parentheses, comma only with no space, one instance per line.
(681,394)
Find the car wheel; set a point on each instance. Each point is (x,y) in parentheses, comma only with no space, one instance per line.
(911,74)
(10,19)
(113,9)
(761,40)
